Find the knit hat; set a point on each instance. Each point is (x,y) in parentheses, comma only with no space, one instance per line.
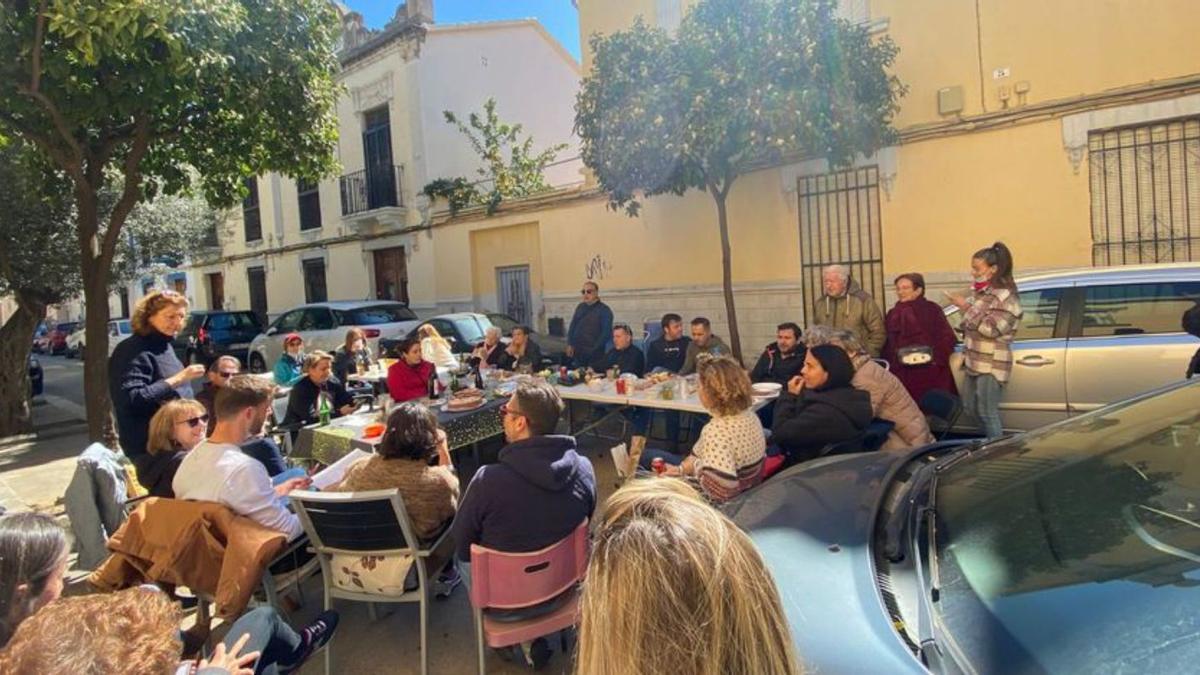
(835,362)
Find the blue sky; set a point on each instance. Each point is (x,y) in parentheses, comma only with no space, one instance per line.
(559,17)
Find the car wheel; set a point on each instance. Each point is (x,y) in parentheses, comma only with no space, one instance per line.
(256,364)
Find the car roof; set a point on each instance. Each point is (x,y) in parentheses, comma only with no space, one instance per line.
(1115,274)
(349,304)
(458,315)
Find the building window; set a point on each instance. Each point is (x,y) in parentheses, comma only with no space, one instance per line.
(310,204)
(250,211)
(314,281)
(854,11)
(840,224)
(1145,190)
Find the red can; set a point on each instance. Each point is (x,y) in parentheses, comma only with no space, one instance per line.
(621,386)
(562,372)
(659,465)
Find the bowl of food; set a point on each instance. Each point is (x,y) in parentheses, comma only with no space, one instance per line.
(766,389)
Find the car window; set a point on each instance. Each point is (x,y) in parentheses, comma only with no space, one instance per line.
(469,330)
(1137,309)
(504,323)
(232,321)
(1077,545)
(374,315)
(289,322)
(317,318)
(1039,313)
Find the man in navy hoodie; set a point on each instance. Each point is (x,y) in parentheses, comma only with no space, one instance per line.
(540,490)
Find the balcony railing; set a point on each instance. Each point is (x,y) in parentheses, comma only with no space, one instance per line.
(371,189)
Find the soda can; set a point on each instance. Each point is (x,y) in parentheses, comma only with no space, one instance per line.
(659,465)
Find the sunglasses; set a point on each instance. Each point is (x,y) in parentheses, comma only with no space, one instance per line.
(504,410)
(226,375)
(585,291)
(194,422)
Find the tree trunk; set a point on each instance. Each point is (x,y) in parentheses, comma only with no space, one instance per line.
(95,296)
(16,339)
(735,340)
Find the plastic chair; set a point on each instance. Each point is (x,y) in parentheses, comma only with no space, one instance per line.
(944,406)
(520,580)
(371,523)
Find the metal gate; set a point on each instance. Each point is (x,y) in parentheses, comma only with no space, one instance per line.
(512,292)
(840,224)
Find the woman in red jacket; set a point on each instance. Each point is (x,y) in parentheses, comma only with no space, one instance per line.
(919,340)
(408,378)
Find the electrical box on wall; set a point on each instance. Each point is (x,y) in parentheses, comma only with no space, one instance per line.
(950,100)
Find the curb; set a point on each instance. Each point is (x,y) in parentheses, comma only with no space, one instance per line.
(18,439)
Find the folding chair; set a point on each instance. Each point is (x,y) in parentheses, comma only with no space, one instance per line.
(365,523)
(944,406)
(510,581)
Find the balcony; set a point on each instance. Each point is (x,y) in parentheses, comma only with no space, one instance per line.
(373,195)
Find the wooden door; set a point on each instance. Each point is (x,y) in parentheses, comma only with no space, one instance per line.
(391,274)
(216,290)
(257,278)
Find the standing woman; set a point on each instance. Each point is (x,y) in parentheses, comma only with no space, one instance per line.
(33,560)
(144,373)
(919,340)
(435,348)
(353,352)
(989,323)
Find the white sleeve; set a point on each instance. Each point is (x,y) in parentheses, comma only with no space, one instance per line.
(251,494)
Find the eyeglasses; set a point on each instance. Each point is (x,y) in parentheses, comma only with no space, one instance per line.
(194,422)
(504,410)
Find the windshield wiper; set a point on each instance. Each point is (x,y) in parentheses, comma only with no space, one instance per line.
(897,527)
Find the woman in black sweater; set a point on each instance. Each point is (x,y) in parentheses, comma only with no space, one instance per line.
(820,407)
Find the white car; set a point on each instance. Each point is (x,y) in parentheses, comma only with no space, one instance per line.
(323,325)
(75,343)
(118,330)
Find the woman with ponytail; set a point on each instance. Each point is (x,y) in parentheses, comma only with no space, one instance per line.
(990,319)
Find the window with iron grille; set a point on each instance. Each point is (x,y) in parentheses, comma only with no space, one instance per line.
(840,224)
(1145,190)
(250,212)
(310,204)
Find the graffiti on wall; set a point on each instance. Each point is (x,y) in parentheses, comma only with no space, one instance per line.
(596,268)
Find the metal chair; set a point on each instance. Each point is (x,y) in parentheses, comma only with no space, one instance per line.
(944,406)
(371,523)
(870,440)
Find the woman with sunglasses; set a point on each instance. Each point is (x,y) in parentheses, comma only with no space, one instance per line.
(176,428)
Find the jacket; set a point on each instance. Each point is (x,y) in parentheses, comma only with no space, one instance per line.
(532,358)
(537,494)
(346,363)
(430,493)
(715,347)
(667,354)
(806,423)
(288,370)
(492,357)
(856,311)
(890,401)
(408,383)
(157,472)
(303,400)
(94,501)
(590,332)
(629,360)
(201,545)
(920,322)
(137,373)
(775,366)
(989,325)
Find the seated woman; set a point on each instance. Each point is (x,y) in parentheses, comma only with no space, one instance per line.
(290,366)
(728,456)
(411,456)
(33,560)
(353,353)
(668,563)
(488,352)
(408,378)
(318,381)
(435,348)
(521,352)
(890,399)
(136,632)
(176,428)
(819,406)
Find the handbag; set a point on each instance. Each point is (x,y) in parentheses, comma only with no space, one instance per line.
(915,355)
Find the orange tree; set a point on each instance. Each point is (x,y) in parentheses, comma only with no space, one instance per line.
(743,83)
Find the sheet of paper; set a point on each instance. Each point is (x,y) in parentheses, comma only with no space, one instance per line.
(333,473)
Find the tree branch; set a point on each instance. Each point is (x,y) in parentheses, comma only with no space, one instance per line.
(132,191)
(39,35)
(60,122)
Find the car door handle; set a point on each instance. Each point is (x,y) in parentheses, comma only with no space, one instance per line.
(1035,361)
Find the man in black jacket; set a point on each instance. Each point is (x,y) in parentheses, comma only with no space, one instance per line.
(624,355)
(668,350)
(591,328)
(782,359)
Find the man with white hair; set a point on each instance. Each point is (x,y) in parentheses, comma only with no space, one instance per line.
(488,352)
(844,304)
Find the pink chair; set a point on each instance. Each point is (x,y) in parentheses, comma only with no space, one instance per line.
(518,580)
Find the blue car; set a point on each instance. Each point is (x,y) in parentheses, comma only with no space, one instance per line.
(1074,548)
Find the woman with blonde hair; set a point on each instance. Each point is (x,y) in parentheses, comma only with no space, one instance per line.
(176,428)
(673,586)
(728,457)
(144,373)
(435,348)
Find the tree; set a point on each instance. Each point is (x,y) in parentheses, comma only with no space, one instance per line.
(743,84)
(510,164)
(164,94)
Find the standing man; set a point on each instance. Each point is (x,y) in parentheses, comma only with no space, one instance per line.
(591,328)
(669,350)
(845,305)
(624,355)
(783,358)
(703,342)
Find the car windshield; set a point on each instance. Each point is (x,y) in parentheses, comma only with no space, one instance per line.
(471,330)
(373,315)
(233,321)
(1077,548)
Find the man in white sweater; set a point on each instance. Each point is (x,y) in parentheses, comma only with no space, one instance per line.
(218,471)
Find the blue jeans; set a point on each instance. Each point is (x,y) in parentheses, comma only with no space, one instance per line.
(297,472)
(981,395)
(276,642)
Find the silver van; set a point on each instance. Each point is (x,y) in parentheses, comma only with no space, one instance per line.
(1092,336)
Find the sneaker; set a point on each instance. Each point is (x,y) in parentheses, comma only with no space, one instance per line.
(537,653)
(620,457)
(315,636)
(446,583)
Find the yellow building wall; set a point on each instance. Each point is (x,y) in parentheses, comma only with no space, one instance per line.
(505,247)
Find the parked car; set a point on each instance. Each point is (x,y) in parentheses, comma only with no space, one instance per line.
(118,330)
(75,343)
(1090,337)
(1070,549)
(58,336)
(36,376)
(462,330)
(41,338)
(323,325)
(554,348)
(209,335)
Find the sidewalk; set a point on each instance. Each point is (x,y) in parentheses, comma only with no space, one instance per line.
(34,473)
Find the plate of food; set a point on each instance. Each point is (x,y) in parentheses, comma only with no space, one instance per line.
(765,389)
(465,403)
